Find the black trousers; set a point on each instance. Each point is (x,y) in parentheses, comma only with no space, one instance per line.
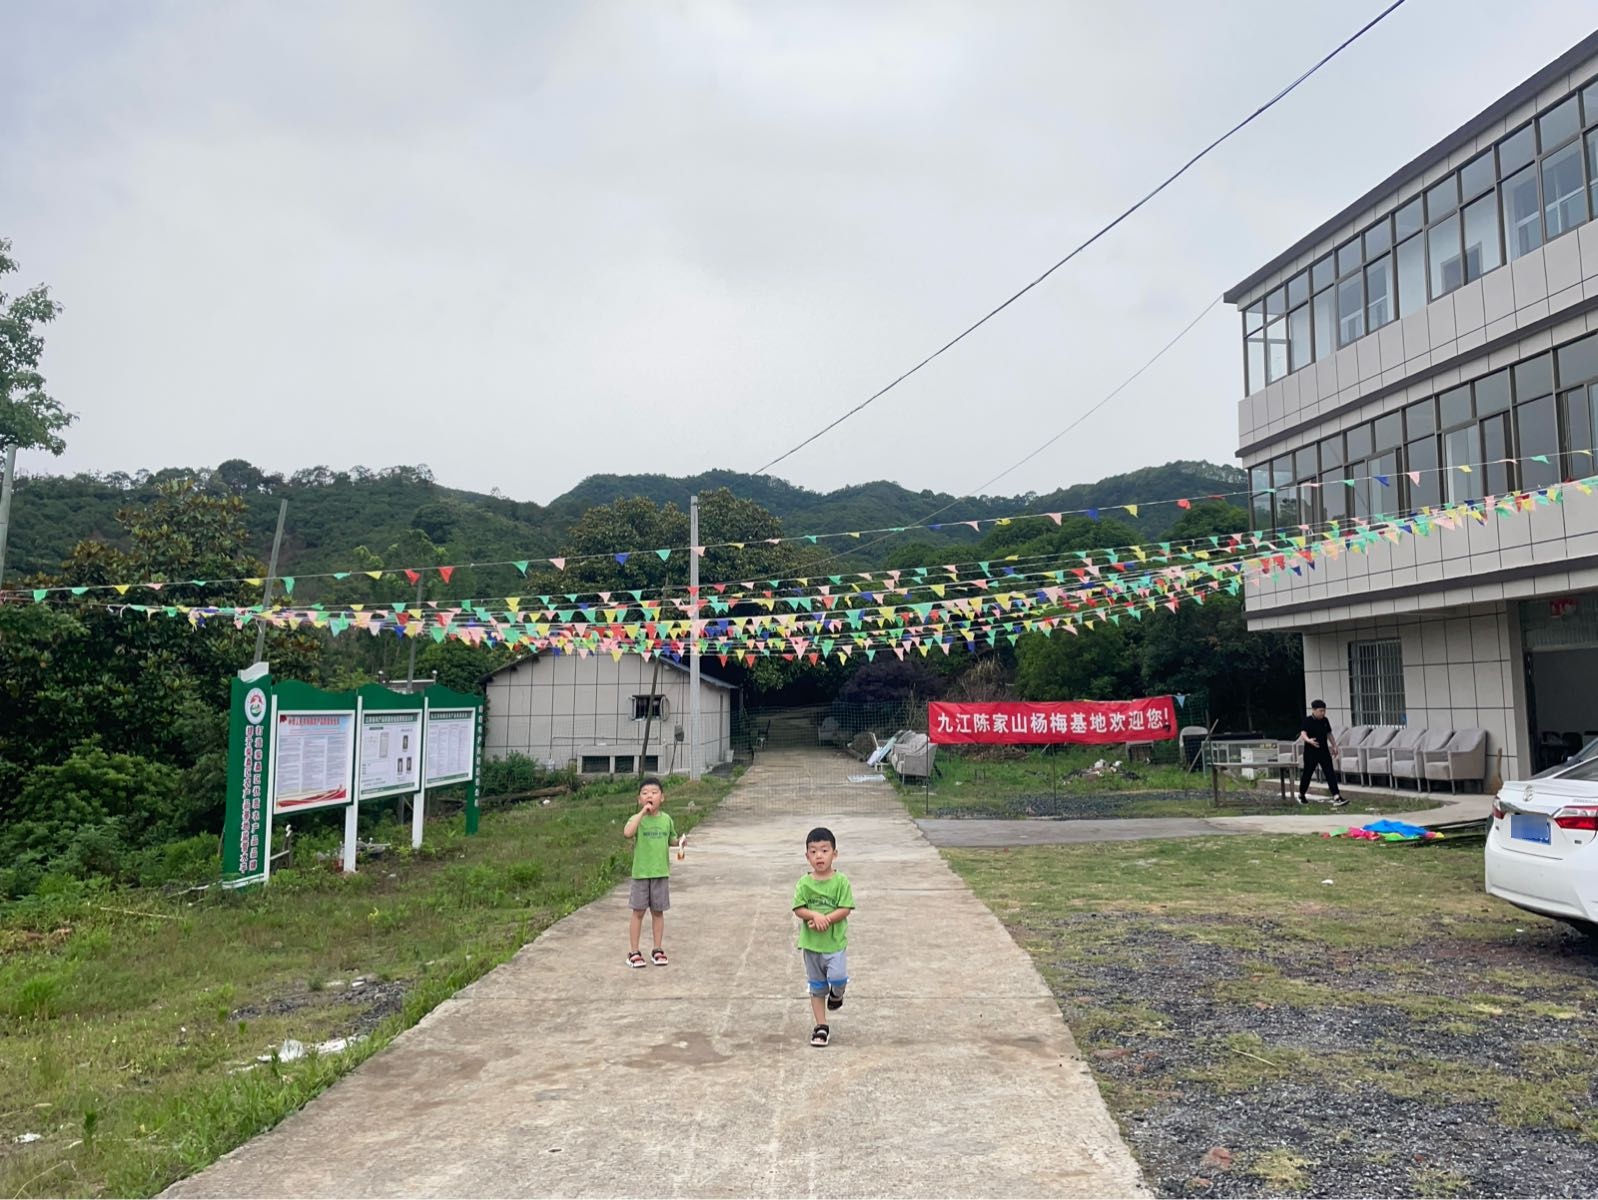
(1318,756)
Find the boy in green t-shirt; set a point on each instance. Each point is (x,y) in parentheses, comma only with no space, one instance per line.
(651,889)
(823,900)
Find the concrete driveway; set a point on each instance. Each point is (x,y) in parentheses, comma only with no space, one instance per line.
(564,1073)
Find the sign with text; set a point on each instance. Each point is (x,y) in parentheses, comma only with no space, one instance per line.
(1062,721)
(245,838)
(313,760)
(451,745)
(391,753)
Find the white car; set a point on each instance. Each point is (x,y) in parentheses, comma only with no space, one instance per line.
(1542,844)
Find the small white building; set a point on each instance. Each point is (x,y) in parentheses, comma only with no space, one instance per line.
(594,712)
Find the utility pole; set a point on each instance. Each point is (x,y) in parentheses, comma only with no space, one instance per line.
(696,626)
(410,670)
(271,577)
(5,505)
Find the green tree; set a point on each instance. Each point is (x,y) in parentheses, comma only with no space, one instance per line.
(1251,680)
(29,418)
(1098,664)
(150,686)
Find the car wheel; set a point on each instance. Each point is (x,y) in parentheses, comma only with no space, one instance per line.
(1589,928)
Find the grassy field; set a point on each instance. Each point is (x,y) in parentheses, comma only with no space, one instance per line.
(1065,785)
(1340,1018)
(131,1026)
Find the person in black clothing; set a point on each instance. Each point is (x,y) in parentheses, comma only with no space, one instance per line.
(1319,746)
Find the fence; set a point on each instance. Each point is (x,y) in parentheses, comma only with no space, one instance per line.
(1123,779)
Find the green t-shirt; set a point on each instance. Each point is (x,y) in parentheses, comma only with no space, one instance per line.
(652,849)
(823,896)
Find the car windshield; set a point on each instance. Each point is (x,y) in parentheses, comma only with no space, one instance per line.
(1578,766)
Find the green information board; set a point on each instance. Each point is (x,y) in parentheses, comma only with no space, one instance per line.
(295,748)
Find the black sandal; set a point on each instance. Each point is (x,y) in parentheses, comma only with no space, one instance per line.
(819,1035)
(636,960)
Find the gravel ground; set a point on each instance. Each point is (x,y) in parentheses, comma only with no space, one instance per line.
(1410,1080)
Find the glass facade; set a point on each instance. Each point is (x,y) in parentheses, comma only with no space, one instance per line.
(1500,425)
(1538,182)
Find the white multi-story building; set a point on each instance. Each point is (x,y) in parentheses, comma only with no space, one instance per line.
(1447,318)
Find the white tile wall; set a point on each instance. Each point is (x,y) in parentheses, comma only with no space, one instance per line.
(1459,672)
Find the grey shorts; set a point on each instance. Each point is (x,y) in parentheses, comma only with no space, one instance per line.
(827,972)
(651,894)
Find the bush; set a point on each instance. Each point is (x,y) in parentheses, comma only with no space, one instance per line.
(87,817)
(192,861)
(516,773)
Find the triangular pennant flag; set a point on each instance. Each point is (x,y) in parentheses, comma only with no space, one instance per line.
(624,556)
(664,555)
(560,563)
(288,585)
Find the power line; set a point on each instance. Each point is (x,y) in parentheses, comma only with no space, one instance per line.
(1170,179)
(922,521)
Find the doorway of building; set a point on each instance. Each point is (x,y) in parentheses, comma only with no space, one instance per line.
(1561,640)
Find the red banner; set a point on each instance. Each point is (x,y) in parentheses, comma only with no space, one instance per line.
(1091,721)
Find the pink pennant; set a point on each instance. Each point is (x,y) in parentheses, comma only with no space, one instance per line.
(560,563)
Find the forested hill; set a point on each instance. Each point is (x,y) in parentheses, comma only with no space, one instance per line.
(333,513)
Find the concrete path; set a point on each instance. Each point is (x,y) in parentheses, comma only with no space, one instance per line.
(564,1073)
(1041,831)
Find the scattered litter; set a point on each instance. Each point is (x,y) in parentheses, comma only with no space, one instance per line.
(866,779)
(1103,769)
(1326,881)
(292,1051)
(23,1139)
(1388,831)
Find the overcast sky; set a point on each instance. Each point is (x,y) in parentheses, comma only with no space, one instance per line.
(528,242)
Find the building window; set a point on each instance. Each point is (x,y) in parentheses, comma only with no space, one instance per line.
(1325,323)
(1350,310)
(648,708)
(1592,170)
(1502,204)
(1298,338)
(1537,436)
(624,764)
(1411,276)
(651,762)
(1376,682)
(1522,227)
(1447,267)
(1482,253)
(1379,293)
(1580,408)
(1275,350)
(595,764)
(1564,192)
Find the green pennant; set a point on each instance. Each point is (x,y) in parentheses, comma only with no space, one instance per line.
(664,554)
(39,594)
(439,633)
(288,585)
(811,538)
(341,574)
(521,565)
(78,591)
